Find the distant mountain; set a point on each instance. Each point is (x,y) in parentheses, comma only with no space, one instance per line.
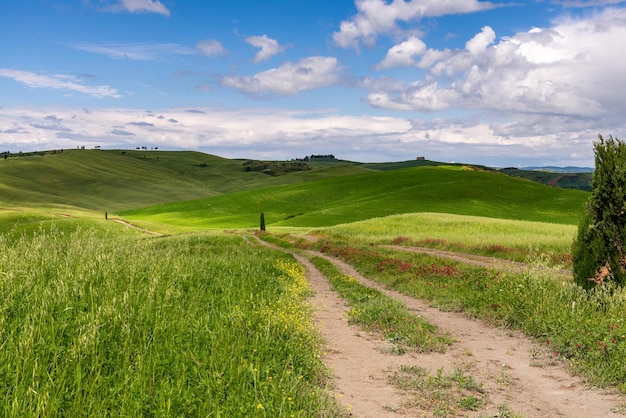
(562,177)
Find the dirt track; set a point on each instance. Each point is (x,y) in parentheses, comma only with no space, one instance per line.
(128,224)
(513,370)
(478,260)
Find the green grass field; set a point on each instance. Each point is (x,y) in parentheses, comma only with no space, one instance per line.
(97,316)
(113,325)
(352,198)
(506,239)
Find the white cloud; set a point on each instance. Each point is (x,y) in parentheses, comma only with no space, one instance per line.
(416,97)
(290,78)
(140,6)
(211,48)
(244,133)
(572,68)
(288,133)
(135,51)
(269,47)
(479,43)
(376,17)
(432,56)
(58,81)
(403,54)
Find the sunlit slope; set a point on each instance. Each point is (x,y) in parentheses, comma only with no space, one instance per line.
(117,180)
(333,201)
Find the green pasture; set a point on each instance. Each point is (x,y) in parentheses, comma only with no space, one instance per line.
(98,180)
(346,199)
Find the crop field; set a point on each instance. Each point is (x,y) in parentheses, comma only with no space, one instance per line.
(98,318)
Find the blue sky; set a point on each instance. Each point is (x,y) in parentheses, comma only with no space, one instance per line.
(500,83)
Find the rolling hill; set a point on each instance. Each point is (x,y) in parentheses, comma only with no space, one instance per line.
(331,201)
(193,190)
(117,180)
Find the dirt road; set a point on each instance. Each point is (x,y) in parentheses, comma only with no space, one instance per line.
(515,372)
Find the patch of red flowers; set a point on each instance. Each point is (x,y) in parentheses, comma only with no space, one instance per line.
(439,270)
(394,264)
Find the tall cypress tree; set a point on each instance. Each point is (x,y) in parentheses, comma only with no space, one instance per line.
(598,251)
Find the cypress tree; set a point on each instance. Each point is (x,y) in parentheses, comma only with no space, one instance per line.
(598,249)
(262,222)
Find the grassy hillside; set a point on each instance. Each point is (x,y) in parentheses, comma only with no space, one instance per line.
(195,190)
(332,201)
(116,180)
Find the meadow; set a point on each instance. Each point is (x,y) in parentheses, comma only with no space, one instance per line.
(203,325)
(507,239)
(99,319)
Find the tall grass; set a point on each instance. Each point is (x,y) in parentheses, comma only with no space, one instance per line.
(194,326)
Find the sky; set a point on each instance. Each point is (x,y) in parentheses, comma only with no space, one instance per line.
(503,83)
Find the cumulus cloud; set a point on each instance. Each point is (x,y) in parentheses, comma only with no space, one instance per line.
(479,43)
(290,78)
(403,54)
(135,51)
(211,48)
(376,17)
(140,6)
(58,81)
(269,47)
(571,68)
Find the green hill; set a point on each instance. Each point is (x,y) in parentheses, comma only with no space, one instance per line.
(196,190)
(332,201)
(117,180)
